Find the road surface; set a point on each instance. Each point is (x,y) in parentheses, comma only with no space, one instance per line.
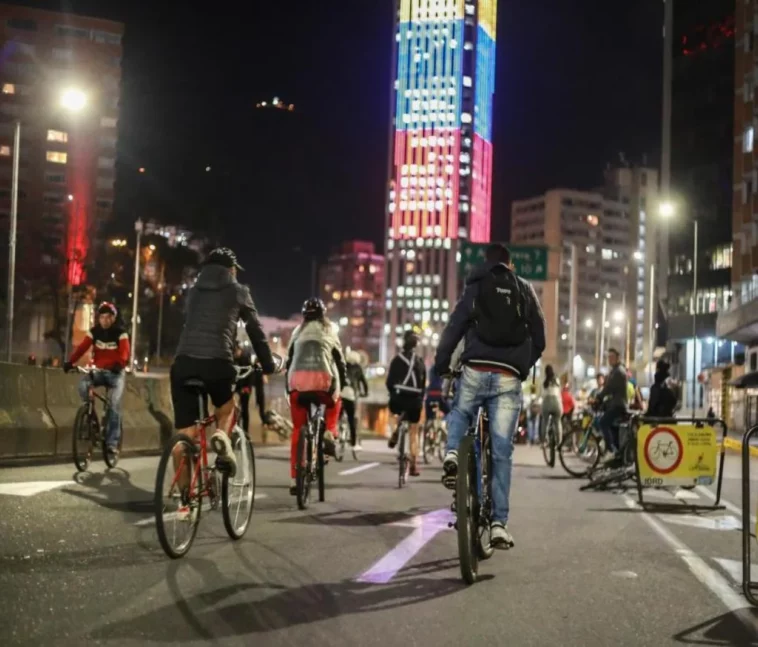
(80,564)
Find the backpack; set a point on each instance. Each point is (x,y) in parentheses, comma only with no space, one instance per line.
(500,310)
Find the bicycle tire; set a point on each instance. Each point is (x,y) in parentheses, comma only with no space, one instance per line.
(168,548)
(320,465)
(567,447)
(303,474)
(233,529)
(425,440)
(81,441)
(441,442)
(548,446)
(467,511)
(110,460)
(339,446)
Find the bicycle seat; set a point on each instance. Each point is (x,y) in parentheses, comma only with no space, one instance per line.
(194,383)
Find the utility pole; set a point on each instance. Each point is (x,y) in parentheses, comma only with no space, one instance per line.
(12,240)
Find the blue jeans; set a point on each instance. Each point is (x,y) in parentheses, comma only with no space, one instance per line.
(116,382)
(606,426)
(533,428)
(500,395)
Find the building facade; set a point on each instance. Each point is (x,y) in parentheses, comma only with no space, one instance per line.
(609,229)
(441,154)
(352,286)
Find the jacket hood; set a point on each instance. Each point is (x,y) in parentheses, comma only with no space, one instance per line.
(478,273)
(661,376)
(214,277)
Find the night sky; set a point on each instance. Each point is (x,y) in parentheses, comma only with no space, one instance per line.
(577,82)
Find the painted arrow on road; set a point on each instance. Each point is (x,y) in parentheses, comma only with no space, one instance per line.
(725,522)
(425,528)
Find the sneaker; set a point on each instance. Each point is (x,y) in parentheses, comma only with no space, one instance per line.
(393,440)
(450,464)
(293,487)
(414,468)
(357,447)
(330,447)
(500,537)
(222,445)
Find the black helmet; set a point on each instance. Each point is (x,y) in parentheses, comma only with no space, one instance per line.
(107,308)
(410,339)
(223,256)
(313,309)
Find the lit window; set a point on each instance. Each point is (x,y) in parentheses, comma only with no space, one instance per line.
(57,136)
(592,221)
(56,157)
(747,139)
(9,88)
(5,151)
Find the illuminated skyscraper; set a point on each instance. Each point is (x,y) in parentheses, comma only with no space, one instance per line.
(441,155)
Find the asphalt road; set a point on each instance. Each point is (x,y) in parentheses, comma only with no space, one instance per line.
(80,564)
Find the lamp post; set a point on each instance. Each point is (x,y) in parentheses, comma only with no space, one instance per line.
(69,283)
(135,293)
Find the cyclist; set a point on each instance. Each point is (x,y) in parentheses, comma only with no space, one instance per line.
(406,383)
(110,345)
(206,348)
(662,401)
(315,364)
(501,320)
(356,387)
(614,399)
(551,402)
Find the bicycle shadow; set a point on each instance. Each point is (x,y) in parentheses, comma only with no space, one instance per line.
(197,617)
(727,629)
(113,490)
(362,519)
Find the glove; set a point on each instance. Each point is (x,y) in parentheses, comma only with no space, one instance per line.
(68,367)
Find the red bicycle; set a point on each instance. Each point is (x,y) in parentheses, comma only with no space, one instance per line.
(185,478)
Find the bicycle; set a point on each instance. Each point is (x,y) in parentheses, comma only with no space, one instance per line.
(434,436)
(585,442)
(403,459)
(621,469)
(88,430)
(183,504)
(343,438)
(310,451)
(550,441)
(472,498)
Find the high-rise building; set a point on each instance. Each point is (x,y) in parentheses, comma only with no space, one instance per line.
(60,79)
(352,286)
(441,154)
(608,227)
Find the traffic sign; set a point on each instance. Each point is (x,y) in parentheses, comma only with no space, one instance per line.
(530,261)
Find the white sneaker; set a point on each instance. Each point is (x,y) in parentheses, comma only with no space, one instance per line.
(222,445)
(500,537)
(450,464)
(358,447)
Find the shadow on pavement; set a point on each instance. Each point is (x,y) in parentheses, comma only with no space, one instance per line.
(113,490)
(554,477)
(231,610)
(728,629)
(348,518)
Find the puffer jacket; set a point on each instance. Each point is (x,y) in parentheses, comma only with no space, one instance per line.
(518,359)
(315,362)
(214,306)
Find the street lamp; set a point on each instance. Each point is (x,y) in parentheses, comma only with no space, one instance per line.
(618,315)
(588,323)
(73,99)
(638,256)
(135,302)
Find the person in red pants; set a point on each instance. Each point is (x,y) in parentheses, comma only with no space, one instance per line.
(315,367)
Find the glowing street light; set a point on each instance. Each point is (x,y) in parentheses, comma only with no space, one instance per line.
(73,99)
(638,256)
(588,323)
(667,209)
(617,330)
(618,315)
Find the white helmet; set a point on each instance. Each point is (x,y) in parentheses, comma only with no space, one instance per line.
(354,357)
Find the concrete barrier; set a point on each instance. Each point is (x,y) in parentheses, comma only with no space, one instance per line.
(26,428)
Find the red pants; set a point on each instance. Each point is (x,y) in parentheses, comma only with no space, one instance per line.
(300,418)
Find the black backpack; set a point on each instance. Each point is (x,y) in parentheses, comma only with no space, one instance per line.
(500,310)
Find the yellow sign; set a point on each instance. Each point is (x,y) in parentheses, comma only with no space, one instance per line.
(675,455)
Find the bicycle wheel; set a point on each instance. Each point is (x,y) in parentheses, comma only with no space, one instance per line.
(548,445)
(467,509)
(111,460)
(441,442)
(427,442)
(177,507)
(579,452)
(82,438)
(238,493)
(320,465)
(402,459)
(343,432)
(304,474)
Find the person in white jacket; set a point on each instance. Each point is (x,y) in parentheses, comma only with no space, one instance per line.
(315,365)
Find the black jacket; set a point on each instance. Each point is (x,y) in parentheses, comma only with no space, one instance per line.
(662,402)
(357,379)
(398,371)
(214,306)
(614,393)
(519,359)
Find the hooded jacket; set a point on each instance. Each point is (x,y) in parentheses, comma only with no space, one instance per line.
(519,359)
(214,306)
(315,362)
(662,402)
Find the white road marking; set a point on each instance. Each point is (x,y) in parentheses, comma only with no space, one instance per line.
(727,504)
(732,600)
(733,568)
(32,487)
(685,494)
(724,522)
(360,468)
(150,521)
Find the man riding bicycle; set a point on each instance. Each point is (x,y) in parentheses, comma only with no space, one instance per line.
(406,383)
(110,345)
(206,348)
(501,322)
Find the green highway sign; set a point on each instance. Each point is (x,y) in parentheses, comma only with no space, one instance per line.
(530,261)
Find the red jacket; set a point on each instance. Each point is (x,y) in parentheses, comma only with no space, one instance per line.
(111,347)
(568,401)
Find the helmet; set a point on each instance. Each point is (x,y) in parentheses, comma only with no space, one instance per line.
(107,308)
(354,357)
(410,339)
(313,309)
(223,256)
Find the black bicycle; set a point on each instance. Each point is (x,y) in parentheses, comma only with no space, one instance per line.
(310,451)
(434,436)
(403,459)
(620,469)
(89,430)
(343,438)
(552,439)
